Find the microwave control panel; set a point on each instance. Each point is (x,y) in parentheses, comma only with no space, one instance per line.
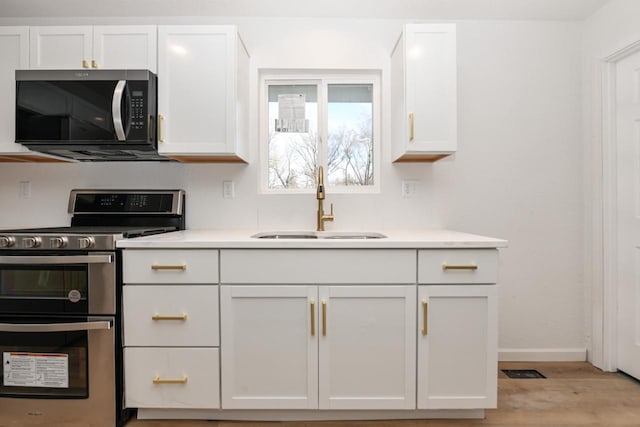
(137,109)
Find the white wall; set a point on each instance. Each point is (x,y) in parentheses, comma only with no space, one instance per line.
(614,27)
(517,174)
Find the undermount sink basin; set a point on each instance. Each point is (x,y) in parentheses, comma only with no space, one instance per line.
(286,235)
(350,235)
(318,235)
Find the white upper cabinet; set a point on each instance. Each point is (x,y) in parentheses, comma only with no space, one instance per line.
(131,47)
(423,93)
(14,51)
(61,47)
(203,93)
(107,47)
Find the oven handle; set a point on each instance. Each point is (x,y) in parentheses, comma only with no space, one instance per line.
(53,259)
(55,327)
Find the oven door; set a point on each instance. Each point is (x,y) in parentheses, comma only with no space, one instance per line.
(47,283)
(56,370)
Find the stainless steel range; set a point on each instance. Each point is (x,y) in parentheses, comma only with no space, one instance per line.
(60,308)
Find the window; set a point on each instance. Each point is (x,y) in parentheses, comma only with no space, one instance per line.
(329,121)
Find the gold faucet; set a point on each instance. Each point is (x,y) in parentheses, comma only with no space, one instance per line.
(320,195)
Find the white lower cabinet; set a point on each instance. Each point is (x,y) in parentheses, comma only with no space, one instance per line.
(457,347)
(171,329)
(458,328)
(326,347)
(395,333)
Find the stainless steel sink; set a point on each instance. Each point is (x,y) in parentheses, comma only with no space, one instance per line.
(318,235)
(286,235)
(350,235)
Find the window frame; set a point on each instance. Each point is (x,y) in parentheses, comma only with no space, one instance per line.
(322,79)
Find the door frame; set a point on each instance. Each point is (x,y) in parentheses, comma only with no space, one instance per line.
(604,307)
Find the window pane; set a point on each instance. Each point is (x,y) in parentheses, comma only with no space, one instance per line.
(293,156)
(350,127)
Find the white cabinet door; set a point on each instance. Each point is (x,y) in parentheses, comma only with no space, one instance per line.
(424,87)
(269,347)
(197,90)
(367,347)
(457,347)
(130,47)
(14,50)
(61,47)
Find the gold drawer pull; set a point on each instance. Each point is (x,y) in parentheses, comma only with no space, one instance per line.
(158,380)
(459,267)
(313,318)
(160,317)
(425,317)
(160,119)
(324,318)
(85,63)
(94,64)
(411,136)
(169,267)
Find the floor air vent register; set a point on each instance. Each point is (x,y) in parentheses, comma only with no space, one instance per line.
(522,373)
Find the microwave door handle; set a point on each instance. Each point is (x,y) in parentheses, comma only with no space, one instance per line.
(63,259)
(116,109)
(56,327)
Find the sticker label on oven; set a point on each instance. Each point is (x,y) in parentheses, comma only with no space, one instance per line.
(36,369)
(74,295)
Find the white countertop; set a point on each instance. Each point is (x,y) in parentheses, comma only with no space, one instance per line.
(422,238)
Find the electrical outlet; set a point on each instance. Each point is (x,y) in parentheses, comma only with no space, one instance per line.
(228,190)
(409,188)
(25,189)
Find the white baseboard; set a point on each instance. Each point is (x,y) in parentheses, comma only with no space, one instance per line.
(542,354)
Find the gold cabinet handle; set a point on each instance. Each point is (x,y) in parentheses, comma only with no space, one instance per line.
(157,316)
(94,63)
(158,380)
(425,317)
(169,267)
(459,267)
(324,318)
(160,120)
(85,63)
(313,318)
(411,127)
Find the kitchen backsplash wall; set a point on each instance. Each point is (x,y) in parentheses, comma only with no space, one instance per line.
(517,174)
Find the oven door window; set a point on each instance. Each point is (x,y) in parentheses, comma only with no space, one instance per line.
(43,288)
(41,363)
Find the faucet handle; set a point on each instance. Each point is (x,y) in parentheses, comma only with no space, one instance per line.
(330,216)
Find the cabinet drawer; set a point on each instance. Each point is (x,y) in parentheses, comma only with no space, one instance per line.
(171,316)
(300,266)
(170,266)
(173,378)
(455,266)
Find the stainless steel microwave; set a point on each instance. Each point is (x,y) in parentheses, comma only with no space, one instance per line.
(90,115)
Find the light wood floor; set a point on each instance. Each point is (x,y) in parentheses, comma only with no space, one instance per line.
(573,394)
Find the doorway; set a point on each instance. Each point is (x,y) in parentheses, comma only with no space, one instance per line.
(627,268)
